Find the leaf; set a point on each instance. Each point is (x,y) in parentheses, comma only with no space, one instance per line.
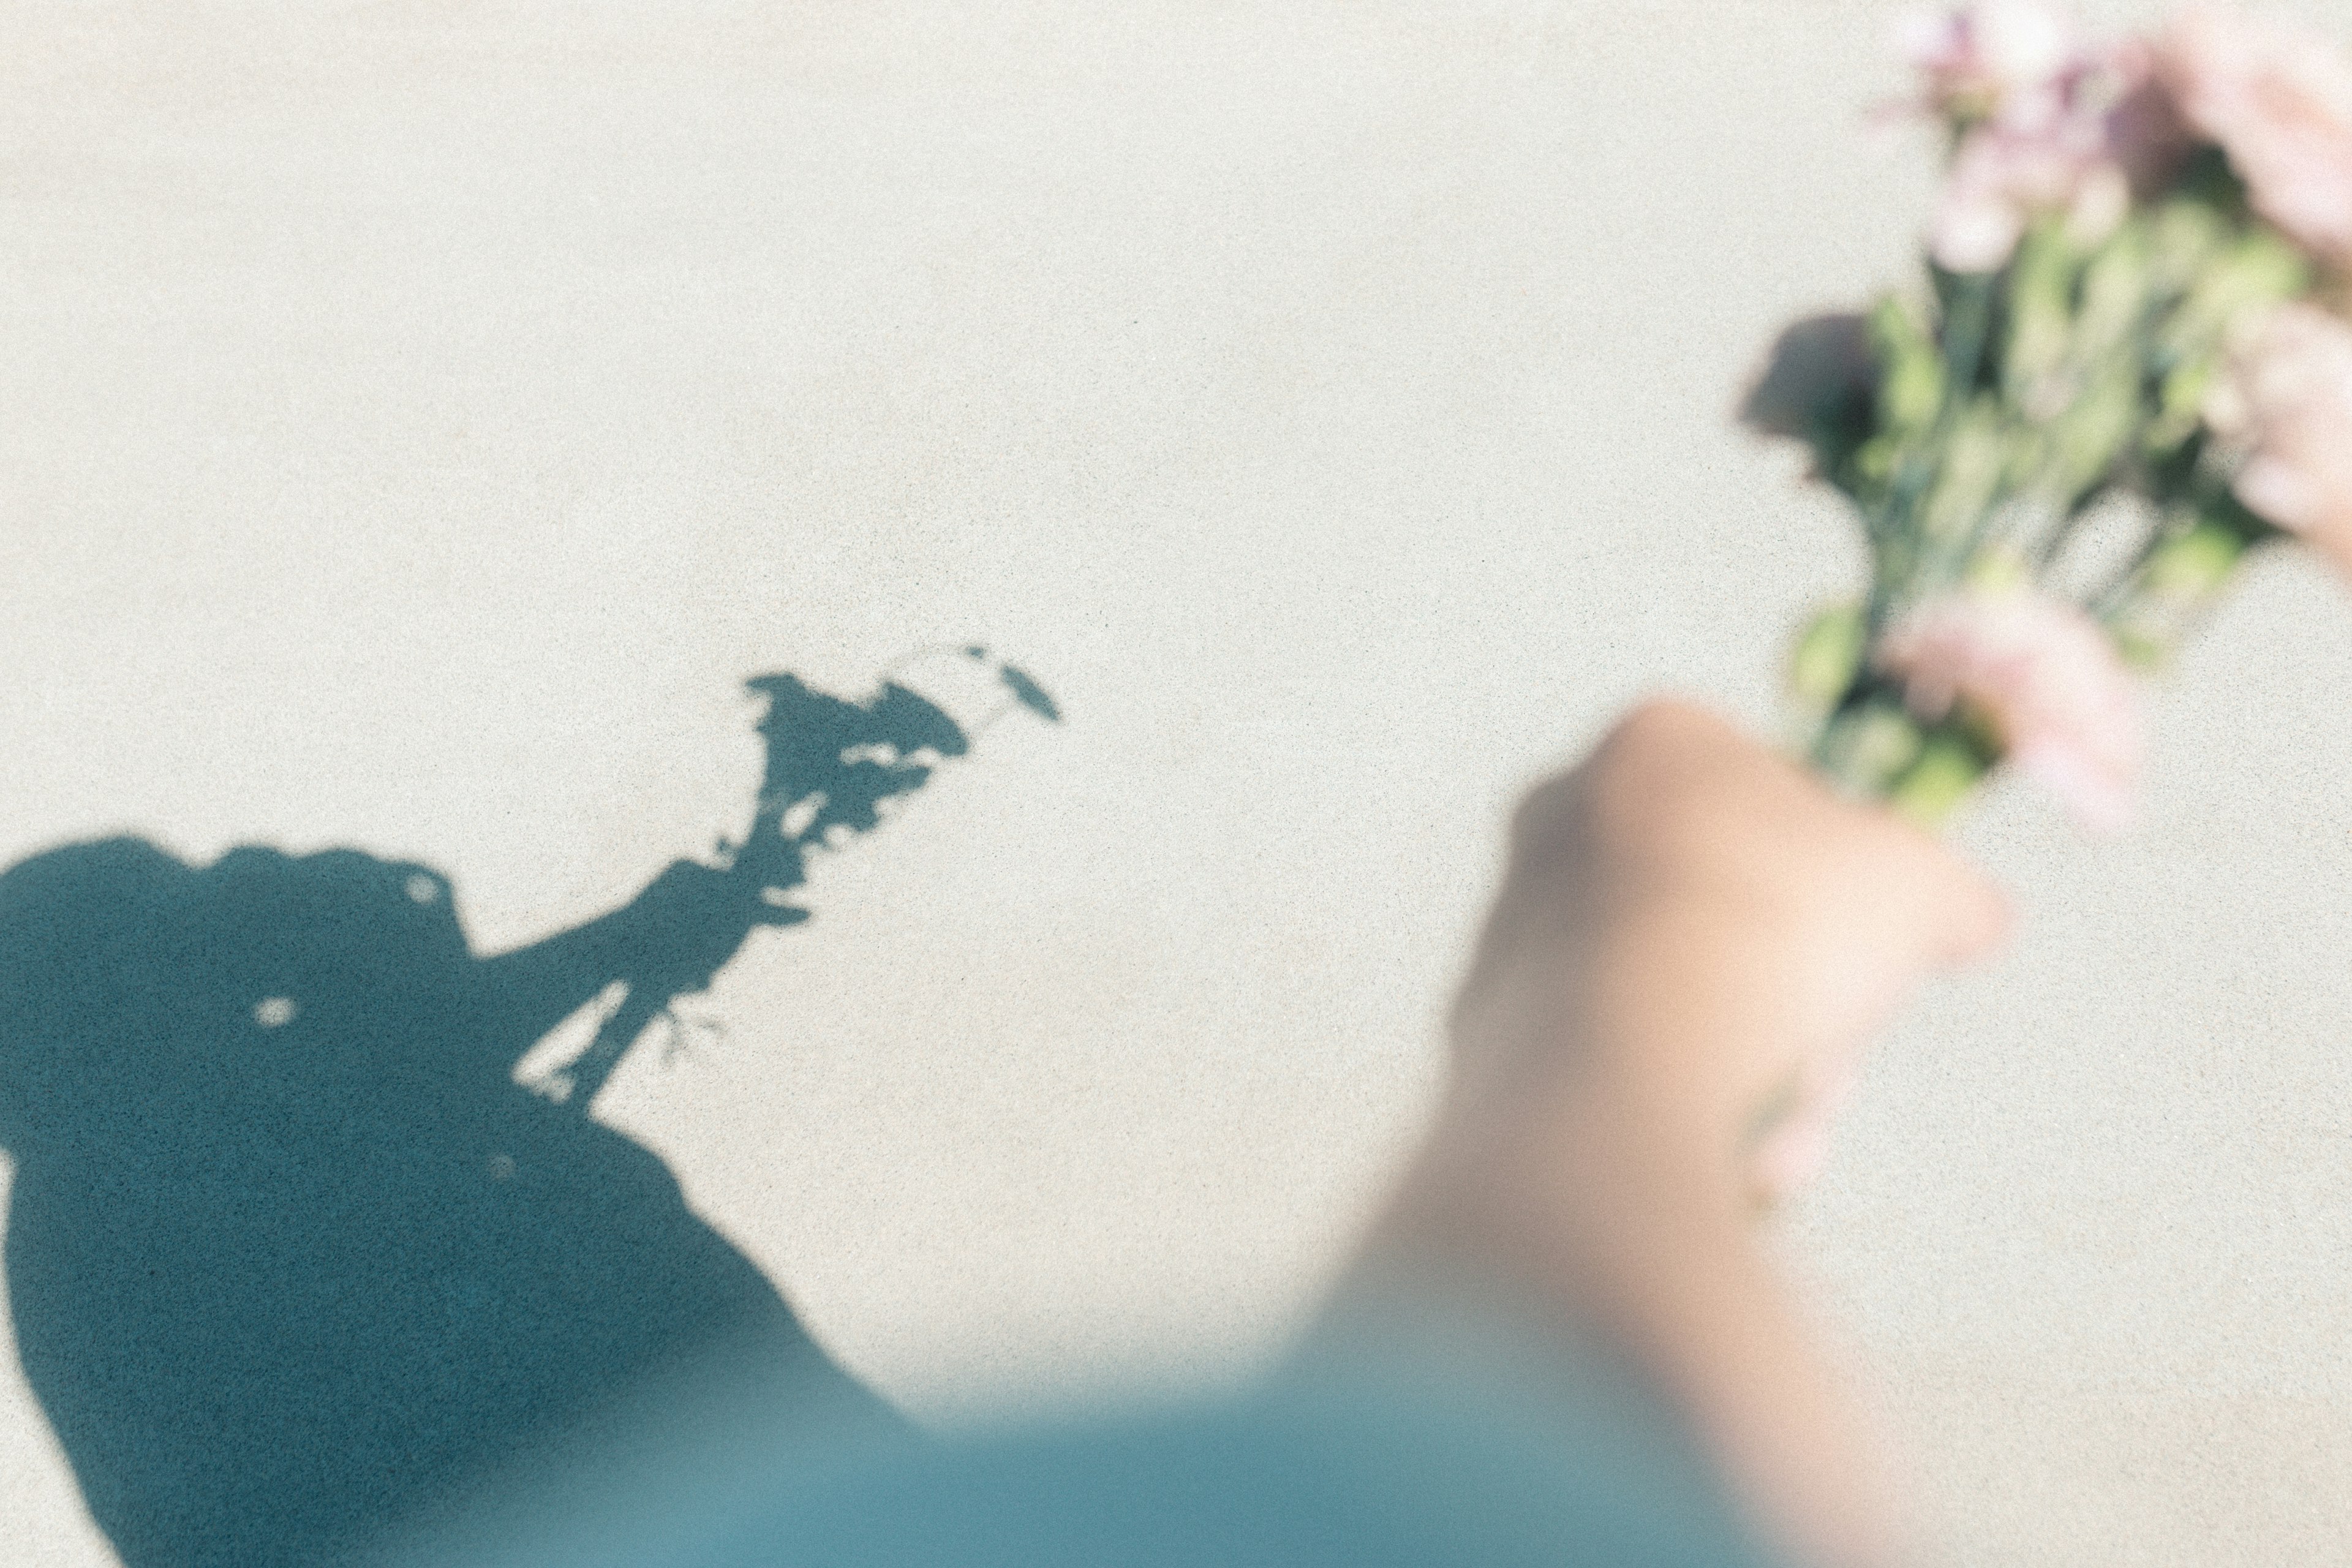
(1029,694)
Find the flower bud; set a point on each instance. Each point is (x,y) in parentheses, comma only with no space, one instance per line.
(1827,653)
(1911,378)
(2041,309)
(2260,269)
(1948,767)
(2192,564)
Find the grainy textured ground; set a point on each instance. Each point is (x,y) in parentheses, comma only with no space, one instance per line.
(418,417)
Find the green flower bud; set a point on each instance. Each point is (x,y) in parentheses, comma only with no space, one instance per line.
(1911,388)
(1868,749)
(1873,462)
(2260,268)
(1949,768)
(1827,654)
(2184,388)
(2193,565)
(2114,292)
(1980,454)
(1998,571)
(2172,589)
(2089,436)
(2041,309)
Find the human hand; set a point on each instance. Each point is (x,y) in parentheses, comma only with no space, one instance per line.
(1695,943)
(694,918)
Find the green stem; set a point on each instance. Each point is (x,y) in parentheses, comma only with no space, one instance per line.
(2153,607)
(1873,747)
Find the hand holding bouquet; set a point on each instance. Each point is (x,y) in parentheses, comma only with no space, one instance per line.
(2133,309)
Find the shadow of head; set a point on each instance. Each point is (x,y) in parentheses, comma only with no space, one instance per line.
(289,1255)
(140,996)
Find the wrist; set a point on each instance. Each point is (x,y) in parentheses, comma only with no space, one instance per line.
(1619,1233)
(1580,1201)
(1570,1095)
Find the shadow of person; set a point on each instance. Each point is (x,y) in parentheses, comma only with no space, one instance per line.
(291,1257)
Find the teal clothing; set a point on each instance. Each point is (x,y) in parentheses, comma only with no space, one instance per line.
(1443,1455)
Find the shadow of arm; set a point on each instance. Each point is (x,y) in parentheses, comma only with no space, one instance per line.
(669,941)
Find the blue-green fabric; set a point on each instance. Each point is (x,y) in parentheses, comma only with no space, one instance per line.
(1371,1455)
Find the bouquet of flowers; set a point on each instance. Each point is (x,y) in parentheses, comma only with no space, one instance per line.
(2131,326)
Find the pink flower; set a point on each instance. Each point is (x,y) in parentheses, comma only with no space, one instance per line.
(2002,177)
(2037,134)
(2279,101)
(1999,59)
(2286,403)
(2047,678)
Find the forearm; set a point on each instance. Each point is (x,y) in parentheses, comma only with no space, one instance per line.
(543,985)
(672,937)
(1606,1231)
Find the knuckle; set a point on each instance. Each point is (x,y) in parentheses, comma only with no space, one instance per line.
(1656,730)
(1668,782)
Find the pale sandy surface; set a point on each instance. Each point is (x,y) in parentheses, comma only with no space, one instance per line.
(418,417)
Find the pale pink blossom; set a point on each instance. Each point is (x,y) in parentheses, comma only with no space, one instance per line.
(2046,676)
(1999,59)
(2286,403)
(2278,99)
(2002,177)
(2035,116)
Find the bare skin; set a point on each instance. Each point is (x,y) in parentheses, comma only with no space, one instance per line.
(1693,945)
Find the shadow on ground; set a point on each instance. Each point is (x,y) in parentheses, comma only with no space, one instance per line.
(292,1258)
